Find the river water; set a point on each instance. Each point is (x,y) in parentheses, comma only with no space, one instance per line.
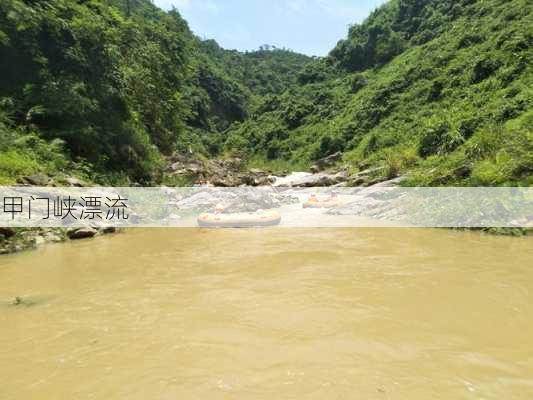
(270,314)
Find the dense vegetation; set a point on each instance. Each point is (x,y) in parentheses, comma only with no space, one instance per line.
(106,88)
(444,89)
(226,85)
(105,83)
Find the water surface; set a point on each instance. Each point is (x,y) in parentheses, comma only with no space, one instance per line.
(270,314)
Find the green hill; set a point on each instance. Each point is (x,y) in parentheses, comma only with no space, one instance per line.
(226,85)
(103,89)
(443,89)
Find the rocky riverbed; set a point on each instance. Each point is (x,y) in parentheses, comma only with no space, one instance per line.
(231,172)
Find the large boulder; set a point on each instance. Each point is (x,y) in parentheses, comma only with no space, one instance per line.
(203,200)
(224,173)
(34,180)
(373,201)
(226,180)
(367,177)
(302,179)
(74,182)
(250,201)
(221,173)
(257,177)
(81,233)
(326,162)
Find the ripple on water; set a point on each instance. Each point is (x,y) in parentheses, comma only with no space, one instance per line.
(262,314)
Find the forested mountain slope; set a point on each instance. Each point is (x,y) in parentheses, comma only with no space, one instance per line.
(106,84)
(444,89)
(226,85)
(106,88)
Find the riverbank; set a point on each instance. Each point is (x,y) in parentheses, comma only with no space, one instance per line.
(187,170)
(14,240)
(183,170)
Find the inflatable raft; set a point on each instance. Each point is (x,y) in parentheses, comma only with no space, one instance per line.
(315,202)
(239,220)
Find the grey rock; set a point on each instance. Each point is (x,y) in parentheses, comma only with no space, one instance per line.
(250,202)
(326,162)
(52,237)
(39,240)
(203,200)
(391,182)
(81,233)
(312,180)
(369,171)
(373,201)
(75,182)
(257,177)
(34,180)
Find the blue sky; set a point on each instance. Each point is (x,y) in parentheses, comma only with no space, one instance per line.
(311,27)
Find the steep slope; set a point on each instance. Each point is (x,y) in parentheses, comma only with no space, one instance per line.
(105,87)
(269,70)
(225,86)
(107,84)
(443,89)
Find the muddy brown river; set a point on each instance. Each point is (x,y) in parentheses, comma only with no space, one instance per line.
(409,314)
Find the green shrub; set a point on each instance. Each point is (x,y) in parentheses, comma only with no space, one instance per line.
(492,172)
(14,163)
(393,165)
(483,69)
(440,138)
